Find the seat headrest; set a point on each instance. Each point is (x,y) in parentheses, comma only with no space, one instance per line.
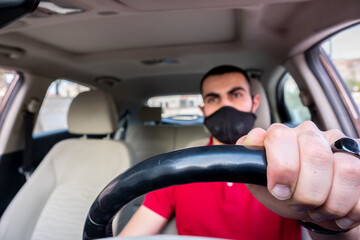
(263,119)
(150,114)
(92,112)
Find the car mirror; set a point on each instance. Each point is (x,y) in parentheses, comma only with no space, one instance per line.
(11,10)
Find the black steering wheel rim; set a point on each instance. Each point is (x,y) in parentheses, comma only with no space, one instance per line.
(201,164)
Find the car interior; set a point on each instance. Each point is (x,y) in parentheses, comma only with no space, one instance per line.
(89,87)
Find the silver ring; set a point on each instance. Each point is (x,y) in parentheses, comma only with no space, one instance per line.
(346,145)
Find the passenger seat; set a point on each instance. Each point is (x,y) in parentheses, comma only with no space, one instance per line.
(55,201)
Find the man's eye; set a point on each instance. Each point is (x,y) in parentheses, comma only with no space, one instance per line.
(211,100)
(236,95)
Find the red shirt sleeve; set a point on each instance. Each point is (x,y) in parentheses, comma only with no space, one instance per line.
(161,202)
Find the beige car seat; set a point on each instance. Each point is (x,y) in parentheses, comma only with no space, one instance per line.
(149,139)
(54,203)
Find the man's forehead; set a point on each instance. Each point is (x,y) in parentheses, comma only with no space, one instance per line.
(225,82)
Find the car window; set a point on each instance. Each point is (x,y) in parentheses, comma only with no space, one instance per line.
(296,112)
(7,77)
(54,109)
(179,109)
(10,82)
(344,52)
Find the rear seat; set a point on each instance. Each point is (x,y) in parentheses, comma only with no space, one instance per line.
(151,140)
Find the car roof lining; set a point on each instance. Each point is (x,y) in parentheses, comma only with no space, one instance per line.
(270,31)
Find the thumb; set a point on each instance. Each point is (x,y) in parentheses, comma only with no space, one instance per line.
(255,137)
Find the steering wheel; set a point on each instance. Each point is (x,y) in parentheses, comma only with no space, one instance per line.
(200,164)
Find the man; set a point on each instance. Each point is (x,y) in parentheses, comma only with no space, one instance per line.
(305,179)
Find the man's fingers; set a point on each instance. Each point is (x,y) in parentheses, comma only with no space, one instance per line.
(283,160)
(344,194)
(346,182)
(303,170)
(351,220)
(316,171)
(333,135)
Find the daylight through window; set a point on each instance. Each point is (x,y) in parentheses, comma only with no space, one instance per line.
(179,109)
(343,50)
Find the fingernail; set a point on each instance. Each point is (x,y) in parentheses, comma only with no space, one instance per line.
(281,192)
(316,216)
(299,209)
(241,140)
(344,223)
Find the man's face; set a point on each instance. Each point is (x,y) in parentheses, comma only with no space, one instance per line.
(229,89)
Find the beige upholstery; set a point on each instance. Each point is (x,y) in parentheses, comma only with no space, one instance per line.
(81,117)
(149,141)
(263,119)
(54,203)
(186,134)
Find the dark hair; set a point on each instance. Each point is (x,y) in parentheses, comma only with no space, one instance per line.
(223,69)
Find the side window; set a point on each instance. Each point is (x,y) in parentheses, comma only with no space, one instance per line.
(53,112)
(291,105)
(7,78)
(344,52)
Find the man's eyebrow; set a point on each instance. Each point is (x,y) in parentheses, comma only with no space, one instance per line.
(236,89)
(211,94)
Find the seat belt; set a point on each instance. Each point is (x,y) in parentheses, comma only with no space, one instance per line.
(27,165)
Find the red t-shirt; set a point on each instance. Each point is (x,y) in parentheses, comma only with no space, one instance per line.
(222,210)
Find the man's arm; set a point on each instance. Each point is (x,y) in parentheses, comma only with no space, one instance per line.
(306,180)
(144,222)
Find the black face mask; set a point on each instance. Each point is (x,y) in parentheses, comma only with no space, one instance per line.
(229,124)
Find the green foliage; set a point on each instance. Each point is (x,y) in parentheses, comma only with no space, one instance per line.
(353,85)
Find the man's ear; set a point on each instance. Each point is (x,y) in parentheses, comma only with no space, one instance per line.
(256,102)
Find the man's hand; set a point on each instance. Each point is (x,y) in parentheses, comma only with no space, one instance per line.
(306,180)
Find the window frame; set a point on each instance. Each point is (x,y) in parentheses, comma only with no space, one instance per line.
(330,80)
(9,96)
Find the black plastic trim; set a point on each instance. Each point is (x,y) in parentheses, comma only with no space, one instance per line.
(10,178)
(11,10)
